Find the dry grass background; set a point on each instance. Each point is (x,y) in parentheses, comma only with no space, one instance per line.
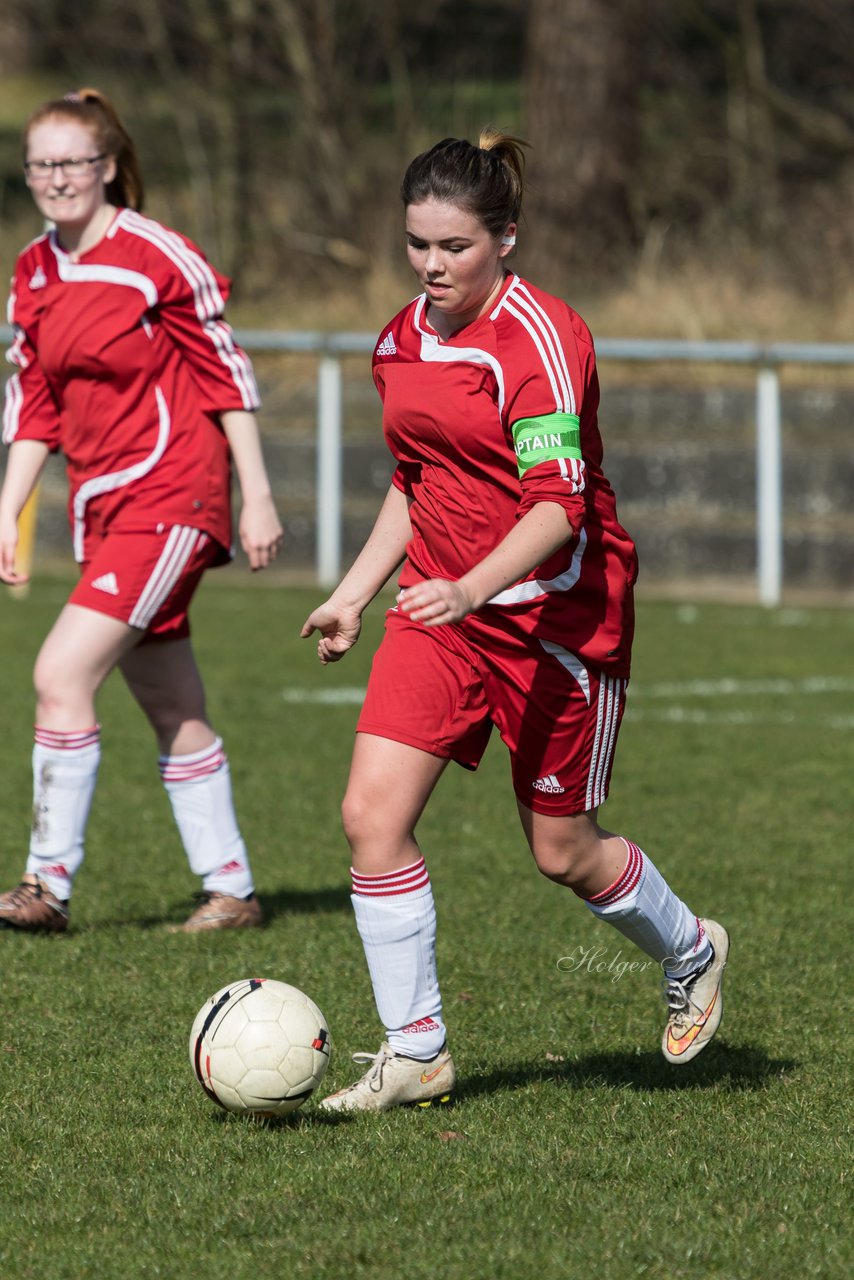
(713,283)
(699,302)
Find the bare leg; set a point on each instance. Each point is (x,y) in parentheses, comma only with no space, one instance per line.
(165,680)
(78,654)
(620,885)
(389,785)
(574,850)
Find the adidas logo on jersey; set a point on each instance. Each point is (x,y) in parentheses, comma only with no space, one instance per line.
(107,582)
(38,279)
(550,785)
(387,347)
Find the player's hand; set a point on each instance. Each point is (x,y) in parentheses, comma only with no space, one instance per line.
(435,602)
(339,629)
(261,532)
(8,553)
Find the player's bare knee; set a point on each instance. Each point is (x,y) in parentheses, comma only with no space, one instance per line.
(167,713)
(48,708)
(55,692)
(165,721)
(554,868)
(565,863)
(359,817)
(376,841)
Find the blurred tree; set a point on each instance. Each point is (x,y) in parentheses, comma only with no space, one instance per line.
(315,48)
(733,27)
(16,43)
(207,108)
(583,69)
(275,131)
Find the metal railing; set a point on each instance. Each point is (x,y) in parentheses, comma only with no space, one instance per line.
(767,358)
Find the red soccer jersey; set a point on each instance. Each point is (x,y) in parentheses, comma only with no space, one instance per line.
(449,409)
(124,363)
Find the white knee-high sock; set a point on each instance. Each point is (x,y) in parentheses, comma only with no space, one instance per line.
(644,908)
(199,789)
(65,769)
(396,919)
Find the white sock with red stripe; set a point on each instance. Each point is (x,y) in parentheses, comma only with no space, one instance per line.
(644,908)
(65,769)
(199,788)
(396,919)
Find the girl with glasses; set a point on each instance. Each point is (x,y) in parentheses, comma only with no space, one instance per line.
(125,364)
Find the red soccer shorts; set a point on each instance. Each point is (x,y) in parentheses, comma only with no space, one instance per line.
(441,689)
(147,579)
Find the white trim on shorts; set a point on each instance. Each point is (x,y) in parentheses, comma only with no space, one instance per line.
(611,692)
(181,545)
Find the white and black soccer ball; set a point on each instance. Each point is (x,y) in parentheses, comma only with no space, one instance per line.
(260,1047)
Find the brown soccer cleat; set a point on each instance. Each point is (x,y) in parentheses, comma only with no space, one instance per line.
(32,908)
(221,911)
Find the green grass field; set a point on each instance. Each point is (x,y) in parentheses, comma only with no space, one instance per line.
(574,1150)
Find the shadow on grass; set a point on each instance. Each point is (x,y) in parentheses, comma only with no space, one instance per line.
(299,1119)
(721,1066)
(306,901)
(282,903)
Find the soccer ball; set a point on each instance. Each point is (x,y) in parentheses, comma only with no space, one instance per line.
(259,1047)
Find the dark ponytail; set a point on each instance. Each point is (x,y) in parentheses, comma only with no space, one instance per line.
(486,180)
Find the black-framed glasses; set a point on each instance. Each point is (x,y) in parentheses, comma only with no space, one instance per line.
(73,167)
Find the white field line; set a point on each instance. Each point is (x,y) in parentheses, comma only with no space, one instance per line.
(783,719)
(790,690)
(732,687)
(674,692)
(343,697)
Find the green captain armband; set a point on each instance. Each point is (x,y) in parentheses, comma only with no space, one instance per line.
(546,439)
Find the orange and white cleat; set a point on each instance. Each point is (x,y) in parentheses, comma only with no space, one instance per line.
(396,1081)
(696,1005)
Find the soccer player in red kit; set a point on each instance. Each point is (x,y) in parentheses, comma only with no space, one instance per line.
(125,364)
(514,609)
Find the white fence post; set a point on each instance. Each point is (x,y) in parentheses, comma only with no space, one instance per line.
(769,488)
(329,513)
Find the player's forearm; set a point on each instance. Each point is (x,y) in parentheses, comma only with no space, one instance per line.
(241,431)
(381,555)
(23,467)
(539,533)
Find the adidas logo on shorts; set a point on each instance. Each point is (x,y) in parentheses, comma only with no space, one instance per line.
(550,785)
(107,582)
(387,347)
